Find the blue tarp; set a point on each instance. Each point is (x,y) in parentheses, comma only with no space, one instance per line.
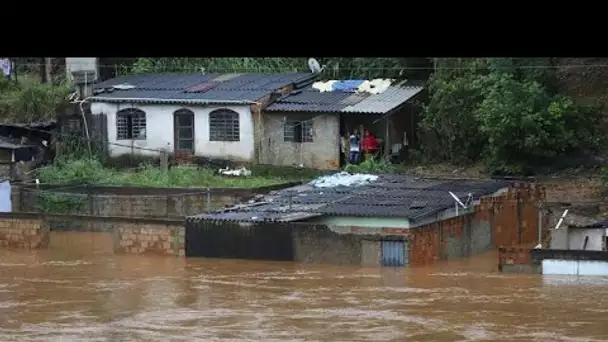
(346,86)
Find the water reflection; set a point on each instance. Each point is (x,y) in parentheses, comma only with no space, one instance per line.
(77,290)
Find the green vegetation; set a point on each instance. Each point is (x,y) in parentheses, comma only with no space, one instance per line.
(91,171)
(30,101)
(336,67)
(371,166)
(505,113)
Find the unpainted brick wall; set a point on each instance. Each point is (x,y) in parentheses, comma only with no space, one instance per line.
(137,236)
(573,190)
(141,238)
(496,221)
(23,233)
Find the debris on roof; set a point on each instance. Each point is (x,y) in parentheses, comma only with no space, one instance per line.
(320,98)
(375,86)
(402,196)
(123,86)
(343,179)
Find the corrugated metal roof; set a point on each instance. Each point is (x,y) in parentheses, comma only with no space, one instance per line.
(311,100)
(389,196)
(175,88)
(7,144)
(384,102)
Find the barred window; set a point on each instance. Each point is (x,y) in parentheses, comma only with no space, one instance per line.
(298,131)
(224,125)
(131,124)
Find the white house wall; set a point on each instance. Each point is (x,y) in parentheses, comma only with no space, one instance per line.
(160,131)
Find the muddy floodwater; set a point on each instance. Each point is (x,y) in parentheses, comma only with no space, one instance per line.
(77,290)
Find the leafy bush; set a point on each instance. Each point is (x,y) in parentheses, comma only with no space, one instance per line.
(506,115)
(29,101)
(371,166)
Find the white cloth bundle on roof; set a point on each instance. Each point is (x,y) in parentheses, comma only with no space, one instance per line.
(375,86)
(324,86)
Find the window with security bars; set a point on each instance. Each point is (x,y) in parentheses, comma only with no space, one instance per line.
(224,125)
(297,131)
(130,124)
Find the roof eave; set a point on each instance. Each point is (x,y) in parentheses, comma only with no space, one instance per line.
(169,101)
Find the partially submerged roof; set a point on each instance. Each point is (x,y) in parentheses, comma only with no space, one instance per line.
(312,100)
(196,88)
(389,196)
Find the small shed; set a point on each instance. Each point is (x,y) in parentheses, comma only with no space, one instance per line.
(15,157)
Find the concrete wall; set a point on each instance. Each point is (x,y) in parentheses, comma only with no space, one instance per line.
(552,261)
(128,201)
(134,236)
(324,245)
(575,267)
(160,131)
(322,153)
(574,238)
(321,245)
(595,242)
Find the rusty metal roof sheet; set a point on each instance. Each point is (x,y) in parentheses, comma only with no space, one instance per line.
(196,88)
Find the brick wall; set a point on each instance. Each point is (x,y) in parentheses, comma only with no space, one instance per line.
(573,190)
(136,236)
(155,238)
(517,259)
(509,219)
(27,233)
(129,201)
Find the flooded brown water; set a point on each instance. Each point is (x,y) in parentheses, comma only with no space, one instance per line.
(77,290)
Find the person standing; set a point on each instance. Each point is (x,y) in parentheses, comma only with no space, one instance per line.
(369,145)
(354,148)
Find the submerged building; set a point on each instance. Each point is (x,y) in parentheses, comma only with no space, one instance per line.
(386,220)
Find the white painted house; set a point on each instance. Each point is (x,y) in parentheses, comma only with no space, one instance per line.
(207,115)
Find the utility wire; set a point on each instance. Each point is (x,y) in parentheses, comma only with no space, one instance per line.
(196,69)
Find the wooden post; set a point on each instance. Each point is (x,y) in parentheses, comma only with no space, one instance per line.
(164,160)
(48,69)
(387,145)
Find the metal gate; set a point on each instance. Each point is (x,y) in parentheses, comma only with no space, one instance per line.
(393,253)
(264,241)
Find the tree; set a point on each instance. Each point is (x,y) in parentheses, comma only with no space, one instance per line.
(505,112)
